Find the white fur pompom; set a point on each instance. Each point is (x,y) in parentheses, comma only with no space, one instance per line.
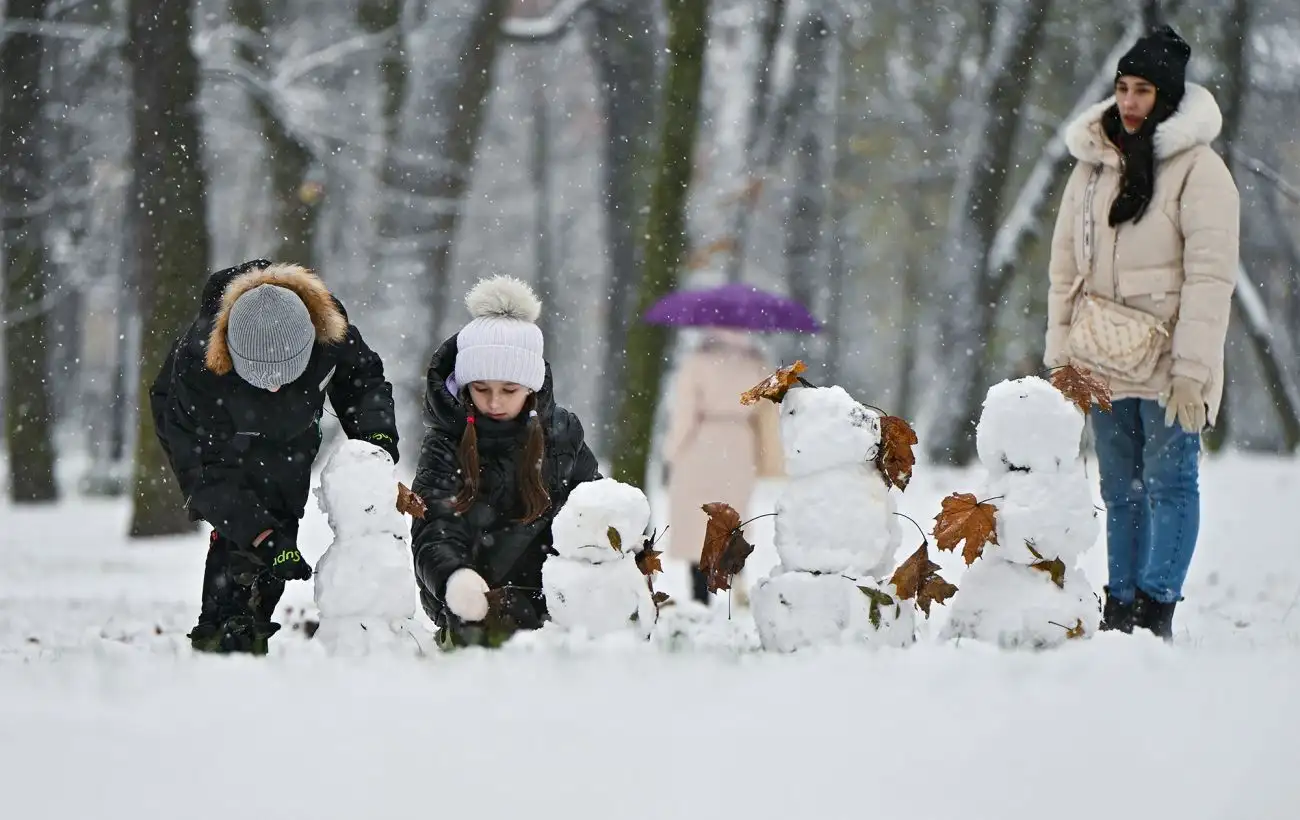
(503,297)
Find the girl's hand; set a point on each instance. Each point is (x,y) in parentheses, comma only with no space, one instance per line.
(467,595)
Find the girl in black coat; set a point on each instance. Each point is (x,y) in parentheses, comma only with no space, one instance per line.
(237,409)
(499,458)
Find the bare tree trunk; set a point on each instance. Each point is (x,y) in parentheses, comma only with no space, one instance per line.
(1152,14)
(429,167)
(807,116)
(665,234)
(28,411)
(543,222)
(840,208)
(1232,93)
(297,190)
(171,236)
(970,317)
(385,16)
(624,47)
(773,22)
(1282,387)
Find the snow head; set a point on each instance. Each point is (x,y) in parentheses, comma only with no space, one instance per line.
(602,521)
(1028,424)
(823,428)
(359,489)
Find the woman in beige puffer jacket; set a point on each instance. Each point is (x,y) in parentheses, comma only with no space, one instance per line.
(1149,219)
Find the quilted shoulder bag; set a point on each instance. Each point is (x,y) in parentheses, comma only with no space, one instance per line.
(1106,336)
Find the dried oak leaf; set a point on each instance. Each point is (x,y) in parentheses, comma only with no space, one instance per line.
(964,518)
(918,577)
(1076,631)
(1054,568)
(895,458)
(409,502)
(647,560)
(775,386)
(661,600)
(725,547)
(1081,387)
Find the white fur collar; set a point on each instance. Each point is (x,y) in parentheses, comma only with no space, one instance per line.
(1196,122)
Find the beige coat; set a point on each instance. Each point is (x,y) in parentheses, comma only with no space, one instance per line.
(1179,262)
(716,447)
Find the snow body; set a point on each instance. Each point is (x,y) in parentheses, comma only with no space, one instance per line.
(836,531)
(796,610)
(1028,439)
(594,585)
(364,588)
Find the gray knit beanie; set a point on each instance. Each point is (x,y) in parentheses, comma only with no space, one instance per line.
(502,342)
(270,335)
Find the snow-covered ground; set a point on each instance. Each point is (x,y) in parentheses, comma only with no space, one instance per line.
(105,712)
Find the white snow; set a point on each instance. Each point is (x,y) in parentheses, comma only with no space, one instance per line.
(105,712)
(825,427)
(1051,514)
(594,585)
(1014,606)
(797,610)
(1027,423)
(836,531)
(364,587)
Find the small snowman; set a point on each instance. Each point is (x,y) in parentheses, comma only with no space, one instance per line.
(593,585)
(1025,589)
(363,582)
(836,532)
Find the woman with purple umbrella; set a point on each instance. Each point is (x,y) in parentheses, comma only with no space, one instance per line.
(716,448)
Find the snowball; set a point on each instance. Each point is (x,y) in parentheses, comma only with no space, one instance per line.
(823,427)
(364,585)
(1028,423)
(839,520)
(794,610)
(598,598)
(581,528)
(1051,512)
(358,490)
(1013,606)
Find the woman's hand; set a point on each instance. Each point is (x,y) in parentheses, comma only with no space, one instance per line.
(1185,401)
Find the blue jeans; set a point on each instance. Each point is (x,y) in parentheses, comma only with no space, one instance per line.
(1153,502)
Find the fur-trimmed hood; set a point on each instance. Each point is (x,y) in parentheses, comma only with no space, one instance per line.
(1197,121)
(326,314)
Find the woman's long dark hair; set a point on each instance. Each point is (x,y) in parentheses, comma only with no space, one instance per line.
(532,487)
(1138,178)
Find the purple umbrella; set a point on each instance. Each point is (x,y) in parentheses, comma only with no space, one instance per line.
(736,305)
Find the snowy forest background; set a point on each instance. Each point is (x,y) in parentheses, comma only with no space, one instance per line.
(895,164)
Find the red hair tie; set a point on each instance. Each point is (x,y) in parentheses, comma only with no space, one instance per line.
(469,419)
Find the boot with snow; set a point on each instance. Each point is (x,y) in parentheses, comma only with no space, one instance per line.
(237,634)
(1154,616)
(1117,615)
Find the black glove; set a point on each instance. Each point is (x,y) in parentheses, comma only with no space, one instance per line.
(278,557)
(389,443)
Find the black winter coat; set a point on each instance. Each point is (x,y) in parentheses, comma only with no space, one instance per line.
(488,537)
(242,455)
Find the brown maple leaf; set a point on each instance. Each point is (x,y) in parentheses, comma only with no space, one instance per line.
(918,577)
(647,560)
(775,386)
(964,518)
(725,547)
(409,502)
(1071,632)
(1081,387)
(895,458)
(1055,568)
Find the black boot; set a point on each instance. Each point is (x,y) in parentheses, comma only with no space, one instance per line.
(1117,615)
(1154,616)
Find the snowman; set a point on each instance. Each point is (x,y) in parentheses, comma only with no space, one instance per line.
(593,585)
(836,532)
(1025,590)
(363,583)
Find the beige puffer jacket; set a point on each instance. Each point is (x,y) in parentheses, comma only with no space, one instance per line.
(1179,262)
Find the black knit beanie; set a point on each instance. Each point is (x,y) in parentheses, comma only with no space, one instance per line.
(1160,58)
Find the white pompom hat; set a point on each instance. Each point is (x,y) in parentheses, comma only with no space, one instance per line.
(502,342)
